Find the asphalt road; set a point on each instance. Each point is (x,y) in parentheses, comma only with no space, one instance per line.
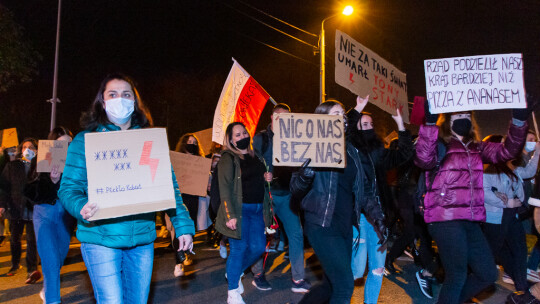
(204,281)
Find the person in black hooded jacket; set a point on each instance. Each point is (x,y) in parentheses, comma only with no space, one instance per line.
(332,200)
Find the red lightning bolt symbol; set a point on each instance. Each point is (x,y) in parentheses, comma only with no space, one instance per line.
(350,77)
(146,160)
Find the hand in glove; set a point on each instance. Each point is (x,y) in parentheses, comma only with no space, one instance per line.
(523,114)
(430,118)
(305,172)
(382,232)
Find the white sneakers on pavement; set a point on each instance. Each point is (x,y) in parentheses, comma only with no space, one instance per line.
(234,297)
(178,270)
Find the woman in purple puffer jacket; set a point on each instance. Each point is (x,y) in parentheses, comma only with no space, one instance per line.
(454,202)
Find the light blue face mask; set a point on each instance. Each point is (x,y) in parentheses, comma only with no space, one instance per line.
(29,154)
(529,146)
(119,110)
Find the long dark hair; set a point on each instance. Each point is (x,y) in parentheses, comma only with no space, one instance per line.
(59,132)
(499,168)
(360,142)
(182,142)
(32,174)
(96,115)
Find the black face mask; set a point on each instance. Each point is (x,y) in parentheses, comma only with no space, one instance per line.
(243,143)
(192,149)
(462,126)
(368,135)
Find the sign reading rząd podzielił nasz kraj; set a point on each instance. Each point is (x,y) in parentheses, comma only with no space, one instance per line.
(298,137)
(475,83)
(129,172)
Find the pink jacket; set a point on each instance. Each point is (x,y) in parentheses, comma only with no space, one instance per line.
(457,192)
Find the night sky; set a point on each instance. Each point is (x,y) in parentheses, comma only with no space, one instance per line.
(179,52)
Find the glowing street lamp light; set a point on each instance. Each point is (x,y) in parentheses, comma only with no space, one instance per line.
(347,11)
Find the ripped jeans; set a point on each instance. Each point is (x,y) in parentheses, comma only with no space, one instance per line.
(368,249)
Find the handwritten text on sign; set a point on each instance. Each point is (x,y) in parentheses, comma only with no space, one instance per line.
(298,137)
(129,172)
(475,83)
(51,154)
(363,72)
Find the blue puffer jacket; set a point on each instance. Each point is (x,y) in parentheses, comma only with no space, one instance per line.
(123,232)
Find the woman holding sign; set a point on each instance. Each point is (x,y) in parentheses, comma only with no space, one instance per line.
(376,161)
(118,252)
(454,202)
(245,205)
(332,200)
(52,224)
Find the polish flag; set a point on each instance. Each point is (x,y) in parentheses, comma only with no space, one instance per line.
(242,99)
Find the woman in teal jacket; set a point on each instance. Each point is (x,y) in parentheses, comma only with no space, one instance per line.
(119,252)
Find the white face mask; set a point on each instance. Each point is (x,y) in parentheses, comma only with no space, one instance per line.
(119,110)
(28,154)
(529,146)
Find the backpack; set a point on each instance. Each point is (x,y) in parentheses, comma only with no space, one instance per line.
(422,188)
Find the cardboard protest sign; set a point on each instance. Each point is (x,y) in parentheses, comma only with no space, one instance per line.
(475,83)
(51,154)
(205,139)
(298,137)
(192,172)
(8,138)
(363,72)
(129,172)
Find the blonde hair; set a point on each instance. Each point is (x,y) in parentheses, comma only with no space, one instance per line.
(227,142)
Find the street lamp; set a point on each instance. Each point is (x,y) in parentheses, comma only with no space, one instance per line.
(54,98)
(348,10)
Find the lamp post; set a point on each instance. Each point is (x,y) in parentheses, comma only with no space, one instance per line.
(348,10)
(54,98)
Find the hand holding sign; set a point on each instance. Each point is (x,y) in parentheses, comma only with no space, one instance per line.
(88,210)
(361,103)
(55,175)
(399,120)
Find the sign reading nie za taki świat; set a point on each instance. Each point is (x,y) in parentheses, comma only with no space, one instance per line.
(298,137)
(129,172)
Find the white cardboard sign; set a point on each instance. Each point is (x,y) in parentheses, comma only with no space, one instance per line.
(51,154)
(192,172)
(363,72)
(485,82)
(129,172)
(299,136)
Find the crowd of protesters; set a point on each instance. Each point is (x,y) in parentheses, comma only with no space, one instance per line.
(474,198)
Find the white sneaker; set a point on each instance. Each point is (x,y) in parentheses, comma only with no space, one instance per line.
(532,276)
(234,297)
(42,295)
(178,270)
(240,285)
(507,279)
(223,252)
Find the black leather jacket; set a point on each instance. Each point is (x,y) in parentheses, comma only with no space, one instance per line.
(319,193)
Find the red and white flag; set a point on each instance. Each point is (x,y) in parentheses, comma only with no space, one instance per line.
(242,99)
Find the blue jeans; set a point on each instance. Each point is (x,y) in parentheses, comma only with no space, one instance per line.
(250,247)
(293,229)
(119,275)
(53,227)
(368,249)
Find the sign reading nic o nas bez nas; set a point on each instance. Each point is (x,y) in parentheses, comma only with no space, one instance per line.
(298,137)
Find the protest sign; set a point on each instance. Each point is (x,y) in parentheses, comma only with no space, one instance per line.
(298,137)
(205,139)
(51,154)
(242,99)
(363,72)
(192,172)
(475,83)
(8,138)
(129,172)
